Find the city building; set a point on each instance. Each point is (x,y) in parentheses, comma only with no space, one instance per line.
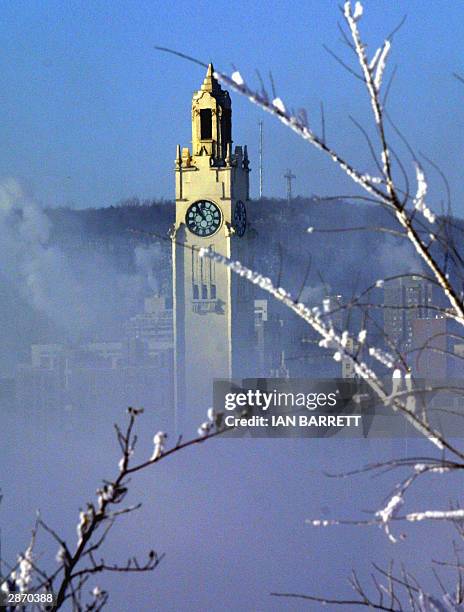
(93,378)
(405,300)
(435,349)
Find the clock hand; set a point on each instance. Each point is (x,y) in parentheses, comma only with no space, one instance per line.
(201,212)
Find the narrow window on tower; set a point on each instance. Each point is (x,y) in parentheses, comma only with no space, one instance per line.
(206,124)
(212,277)
(226,125)
(204,292)
(195,274)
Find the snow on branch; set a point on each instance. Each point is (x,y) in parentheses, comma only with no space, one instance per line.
(436,515)
(381,64)
(419,200)
(298,124)
(372,83)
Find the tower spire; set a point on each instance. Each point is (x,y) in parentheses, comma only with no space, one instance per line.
(210,83)
(211,119)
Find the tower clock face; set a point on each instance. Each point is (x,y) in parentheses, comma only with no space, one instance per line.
(203,218)
(240,218)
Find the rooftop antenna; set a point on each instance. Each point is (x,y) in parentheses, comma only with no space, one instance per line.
(289,176)
(260,160)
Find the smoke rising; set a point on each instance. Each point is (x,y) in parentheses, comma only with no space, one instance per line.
(75,291)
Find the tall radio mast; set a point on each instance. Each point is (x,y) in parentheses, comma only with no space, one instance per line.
(289,176)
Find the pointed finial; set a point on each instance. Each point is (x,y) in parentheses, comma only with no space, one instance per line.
(210,83)
(228,159)
(246,161)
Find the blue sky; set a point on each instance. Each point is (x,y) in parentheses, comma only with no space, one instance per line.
(91,113)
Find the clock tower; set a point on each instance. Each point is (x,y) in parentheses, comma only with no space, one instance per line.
(213,308)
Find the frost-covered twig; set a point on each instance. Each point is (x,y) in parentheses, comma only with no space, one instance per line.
(394,592)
